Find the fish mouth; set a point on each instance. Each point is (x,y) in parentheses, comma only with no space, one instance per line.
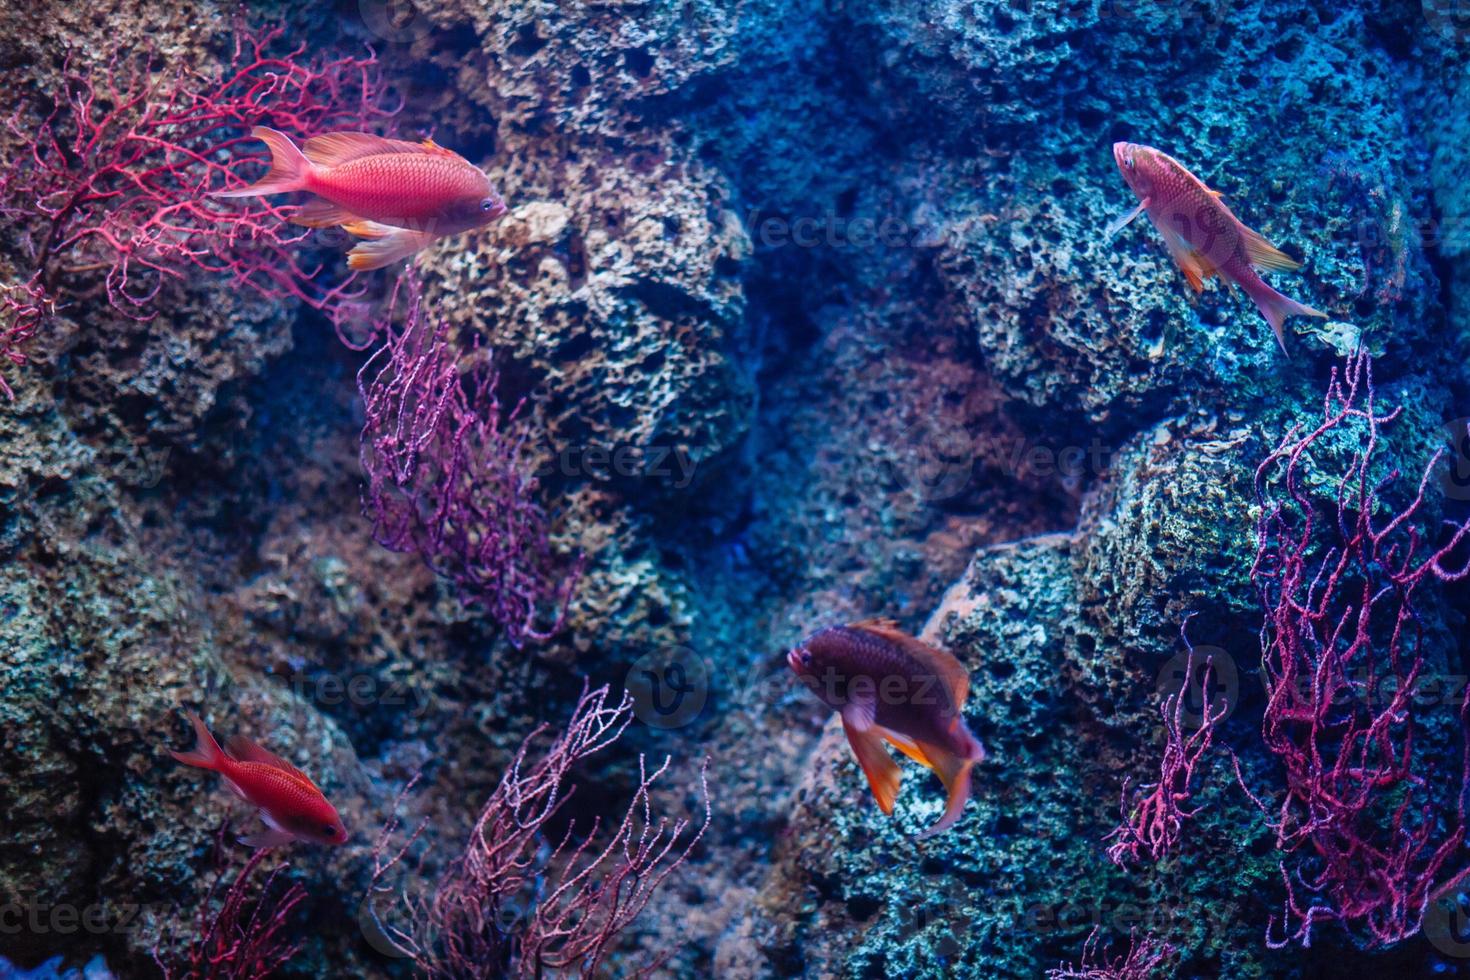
(793,660)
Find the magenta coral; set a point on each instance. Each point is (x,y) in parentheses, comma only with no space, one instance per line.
(446,477)
(1365,818)
(108,195)
(517,902)
(1154,815)
(1144,957)
(243,938)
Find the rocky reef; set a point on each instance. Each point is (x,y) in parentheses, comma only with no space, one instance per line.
(812,315)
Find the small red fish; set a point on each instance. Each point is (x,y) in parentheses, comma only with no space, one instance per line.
(289,803)
(888,685)
(1203,236)
(400,196)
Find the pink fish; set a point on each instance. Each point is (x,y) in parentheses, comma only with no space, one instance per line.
(891,687)
(1204,238)
(289,802)
(400,196)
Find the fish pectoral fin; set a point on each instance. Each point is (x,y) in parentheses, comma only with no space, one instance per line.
(321,213)
(1195,267)
(271,837)
(1124,220)
(882,772)
(1263,255)
(954,771)
(390,247)
(859,713)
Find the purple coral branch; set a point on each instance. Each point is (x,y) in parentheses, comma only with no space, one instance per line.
(446,476)
(1341,629)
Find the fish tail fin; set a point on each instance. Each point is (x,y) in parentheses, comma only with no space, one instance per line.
(1276,307)
(207,754)
(954,770)
(384,247)
(290,169)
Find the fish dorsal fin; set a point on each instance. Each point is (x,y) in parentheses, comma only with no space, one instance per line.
(429,146)
(242,749)
(335,149)
(1263,255)
(950,671)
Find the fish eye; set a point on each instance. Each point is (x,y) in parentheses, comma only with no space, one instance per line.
(806,658)
(329,829)
(488,204)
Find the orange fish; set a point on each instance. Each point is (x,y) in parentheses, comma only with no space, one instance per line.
(889,686)
(289,803)
(400,196)
(1203,236)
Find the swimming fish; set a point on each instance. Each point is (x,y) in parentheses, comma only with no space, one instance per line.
(289,803)
(399,196)
(888,685)
(1203,236)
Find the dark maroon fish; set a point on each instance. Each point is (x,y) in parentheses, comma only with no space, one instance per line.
(889,685)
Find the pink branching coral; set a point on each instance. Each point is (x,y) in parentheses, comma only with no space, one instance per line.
(1144,957)
(108,197)
(518,903)
(243,937)
(1366,821)
(1153,816)
(23,309)
(447,478)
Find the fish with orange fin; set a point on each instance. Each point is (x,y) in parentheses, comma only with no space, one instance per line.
(889,686)
(288,801)
(1203,236)
(400,197)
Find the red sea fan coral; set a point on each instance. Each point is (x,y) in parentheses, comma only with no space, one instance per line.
(1153,816)
(106,194)
(515,903)
(243,937)
(1367,820)
(447,479)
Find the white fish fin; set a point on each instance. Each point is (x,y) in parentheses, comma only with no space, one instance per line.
(234,787)
(400,243)
(267,838)
(321,213)
(859,714)
(1124,220)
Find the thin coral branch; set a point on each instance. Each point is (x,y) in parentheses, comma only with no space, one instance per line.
(1142,961)
(110,197)
(1363,820)
(1154,815)
(515,902)
(447,479)
(243,936)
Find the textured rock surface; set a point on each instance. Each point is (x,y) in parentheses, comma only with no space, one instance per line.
(847,261)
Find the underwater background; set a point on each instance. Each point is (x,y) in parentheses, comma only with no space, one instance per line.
(802,313)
